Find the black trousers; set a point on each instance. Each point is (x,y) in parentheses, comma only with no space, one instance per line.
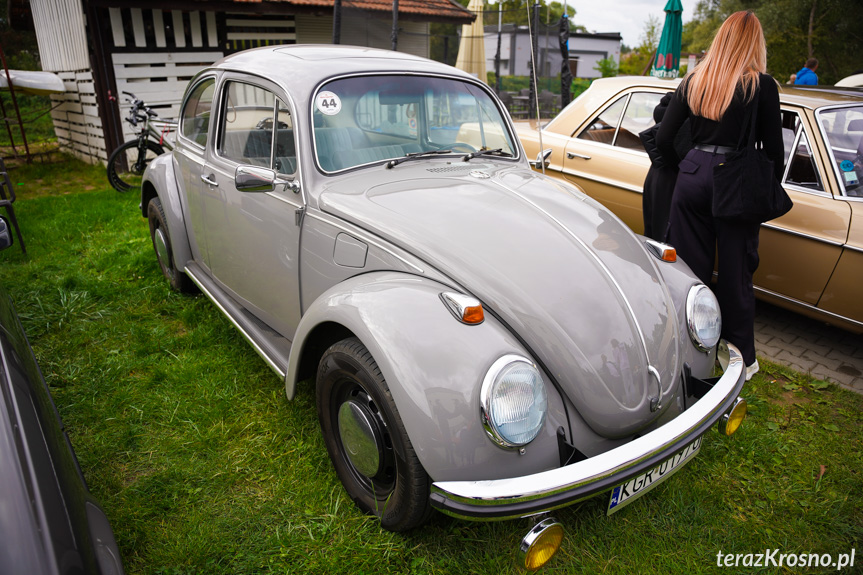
(700,239)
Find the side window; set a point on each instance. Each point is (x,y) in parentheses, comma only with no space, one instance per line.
(248,117)
(195,117)
(602,128)
(803,170)
(637,118)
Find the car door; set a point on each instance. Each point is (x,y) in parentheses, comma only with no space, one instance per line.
(606,157)
(253,237)
(195,124)
(799,251)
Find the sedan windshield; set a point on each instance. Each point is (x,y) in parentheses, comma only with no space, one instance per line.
(843,128)
(370,119)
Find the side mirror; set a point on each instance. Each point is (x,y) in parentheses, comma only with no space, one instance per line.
(258,179)
(254,179)
(542,159)
(5,236)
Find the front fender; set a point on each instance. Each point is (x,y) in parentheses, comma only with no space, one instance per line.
(434,366)
(160,180)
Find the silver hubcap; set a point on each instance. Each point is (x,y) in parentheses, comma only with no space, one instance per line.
(358,438)
(162,247)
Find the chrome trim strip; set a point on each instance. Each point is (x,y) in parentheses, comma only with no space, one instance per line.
(500,499)
(802,235)
(245,334)
(809,306)
(362,235)
(605,181)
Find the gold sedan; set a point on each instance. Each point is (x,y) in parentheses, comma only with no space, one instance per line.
(811,258)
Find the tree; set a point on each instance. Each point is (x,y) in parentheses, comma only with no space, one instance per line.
(607,67)
(641,55)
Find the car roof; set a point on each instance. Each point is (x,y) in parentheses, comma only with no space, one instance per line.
(316,62)
(812,97)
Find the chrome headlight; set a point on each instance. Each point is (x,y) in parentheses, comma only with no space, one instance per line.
(703,317)
(513,401)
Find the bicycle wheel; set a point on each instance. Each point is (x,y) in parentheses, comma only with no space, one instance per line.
(125,168)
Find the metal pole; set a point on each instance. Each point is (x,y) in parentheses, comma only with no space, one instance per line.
(497,54)
(337,22)
(395,35)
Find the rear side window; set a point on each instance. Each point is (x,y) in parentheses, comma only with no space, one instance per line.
(195,117)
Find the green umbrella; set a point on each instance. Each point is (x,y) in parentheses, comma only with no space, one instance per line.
(667,62)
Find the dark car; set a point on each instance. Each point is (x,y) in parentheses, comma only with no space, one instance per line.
(49,522)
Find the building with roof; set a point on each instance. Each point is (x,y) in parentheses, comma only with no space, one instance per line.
(102,48)
(585,51)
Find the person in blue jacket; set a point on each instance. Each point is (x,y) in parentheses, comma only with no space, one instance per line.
(807,76)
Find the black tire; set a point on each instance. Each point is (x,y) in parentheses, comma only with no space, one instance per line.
(125,169)
(164,252)
(397,492)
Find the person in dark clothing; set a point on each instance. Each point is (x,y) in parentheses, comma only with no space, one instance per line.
(807,76)
(660,179)
(715,97)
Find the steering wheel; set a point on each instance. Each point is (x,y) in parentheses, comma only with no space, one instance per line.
(461,147)
(267,124)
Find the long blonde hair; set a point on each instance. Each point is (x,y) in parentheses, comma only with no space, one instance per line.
(737,54)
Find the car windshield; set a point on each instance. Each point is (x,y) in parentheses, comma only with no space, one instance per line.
(369,119)
(843,129)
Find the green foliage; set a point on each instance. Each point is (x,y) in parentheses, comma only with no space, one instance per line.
(835,37)
(38,125)
(203,466)
(636,61)
(607,67)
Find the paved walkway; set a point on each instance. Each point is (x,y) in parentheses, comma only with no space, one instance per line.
(808,346)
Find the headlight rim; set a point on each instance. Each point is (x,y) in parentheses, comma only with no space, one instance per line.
(694,337)
(488,382)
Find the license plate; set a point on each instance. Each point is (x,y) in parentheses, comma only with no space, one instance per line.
(626,493)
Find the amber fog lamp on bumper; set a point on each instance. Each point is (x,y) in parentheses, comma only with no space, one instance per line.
(540,544)
(465,308)
(732,420)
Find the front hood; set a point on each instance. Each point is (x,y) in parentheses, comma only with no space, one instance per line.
(566,275)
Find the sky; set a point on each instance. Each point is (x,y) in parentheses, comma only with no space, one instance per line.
(625,16)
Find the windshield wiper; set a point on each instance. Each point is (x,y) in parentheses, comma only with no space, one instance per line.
(414,155)
(495,152)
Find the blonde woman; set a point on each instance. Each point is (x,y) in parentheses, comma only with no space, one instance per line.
(717,97)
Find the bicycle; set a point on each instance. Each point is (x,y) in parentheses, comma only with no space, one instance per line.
(128,162)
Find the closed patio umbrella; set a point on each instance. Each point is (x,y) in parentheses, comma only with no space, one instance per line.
(471,48)
(667,62)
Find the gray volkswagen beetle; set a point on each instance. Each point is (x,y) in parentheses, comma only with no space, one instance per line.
(485,341)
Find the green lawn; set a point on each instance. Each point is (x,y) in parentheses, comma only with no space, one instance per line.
(204,467)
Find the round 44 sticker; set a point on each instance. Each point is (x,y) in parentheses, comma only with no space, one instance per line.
(328,103)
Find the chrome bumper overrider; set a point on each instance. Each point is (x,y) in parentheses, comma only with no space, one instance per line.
(530,494)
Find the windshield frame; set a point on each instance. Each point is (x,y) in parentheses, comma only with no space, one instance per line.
(473,82)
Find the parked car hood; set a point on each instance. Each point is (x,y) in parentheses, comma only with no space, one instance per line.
(569,278)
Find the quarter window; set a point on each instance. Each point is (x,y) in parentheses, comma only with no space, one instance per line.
(195,118)
(602,128)
(803,171)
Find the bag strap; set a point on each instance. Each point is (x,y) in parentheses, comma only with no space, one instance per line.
(749,117)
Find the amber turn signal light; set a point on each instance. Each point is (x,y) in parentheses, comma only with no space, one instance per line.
(465,308)
(662,251)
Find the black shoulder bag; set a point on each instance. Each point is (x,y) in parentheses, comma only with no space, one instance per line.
(744,186)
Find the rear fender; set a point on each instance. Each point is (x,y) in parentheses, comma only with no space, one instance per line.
(160,180)
(434,366)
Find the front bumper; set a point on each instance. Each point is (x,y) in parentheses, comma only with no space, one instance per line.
(531,494)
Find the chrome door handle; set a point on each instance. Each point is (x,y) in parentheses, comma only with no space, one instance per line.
(571,155)
(207,180)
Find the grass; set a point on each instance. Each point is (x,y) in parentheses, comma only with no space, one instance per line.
(204,467)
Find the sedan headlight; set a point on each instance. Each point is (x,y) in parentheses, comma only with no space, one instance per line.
(703,317)
(513,401)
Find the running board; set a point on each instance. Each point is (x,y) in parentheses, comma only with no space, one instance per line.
(270,345)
